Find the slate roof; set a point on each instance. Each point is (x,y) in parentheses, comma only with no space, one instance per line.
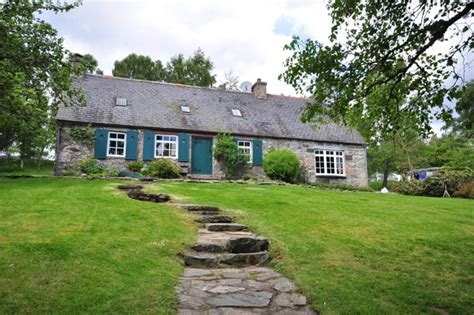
(157,105)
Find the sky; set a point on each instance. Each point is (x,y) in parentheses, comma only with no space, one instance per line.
(245,37)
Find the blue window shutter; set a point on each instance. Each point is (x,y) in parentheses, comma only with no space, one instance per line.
(183,147)
(101,138)
(132,145)
(148,146)
(257,152)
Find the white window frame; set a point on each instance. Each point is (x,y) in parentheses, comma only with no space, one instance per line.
(336,154)
(236,112)
(242,148)
(116,139)
(163,142)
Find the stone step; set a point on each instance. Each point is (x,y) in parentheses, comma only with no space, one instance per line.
(207,212)
(247,245)
(214,260)
(232,227)
(209,247)
(199,207)
(216,219)
(233,245)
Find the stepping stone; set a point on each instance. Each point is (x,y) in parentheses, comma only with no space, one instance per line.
(139,195)
(244,299)
(217,227)
(213,260)
(129,187)
(199,208)
(248,244)
(208,212)
(216,219)
(209,247)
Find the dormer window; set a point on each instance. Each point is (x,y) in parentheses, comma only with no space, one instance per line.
(236,112)
(121,101)
(185,109)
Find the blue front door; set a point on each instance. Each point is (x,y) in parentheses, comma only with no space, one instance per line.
(201,156)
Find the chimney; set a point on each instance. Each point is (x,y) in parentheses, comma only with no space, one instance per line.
(259,89)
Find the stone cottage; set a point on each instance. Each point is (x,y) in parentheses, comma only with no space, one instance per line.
(143,120)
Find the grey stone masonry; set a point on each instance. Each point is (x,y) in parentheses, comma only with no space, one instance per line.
(69,153)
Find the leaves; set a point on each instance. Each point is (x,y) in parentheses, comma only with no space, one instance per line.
(380,44)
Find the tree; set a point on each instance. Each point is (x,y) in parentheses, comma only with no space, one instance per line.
(195,70)
(139,67)
(382,44)
(84,64)
(35,77)
(231,82)
(228,154)
(464,123)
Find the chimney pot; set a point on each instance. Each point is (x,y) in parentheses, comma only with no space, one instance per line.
(259,89)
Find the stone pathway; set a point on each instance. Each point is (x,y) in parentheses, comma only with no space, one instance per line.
(224,273)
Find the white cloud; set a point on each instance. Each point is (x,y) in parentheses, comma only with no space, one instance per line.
(237,35)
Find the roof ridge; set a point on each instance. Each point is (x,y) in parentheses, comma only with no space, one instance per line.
(111,77)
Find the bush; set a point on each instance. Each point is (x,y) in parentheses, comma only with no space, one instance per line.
(377,185)
(465,190)
(162,168)
(91,166)
(434,185)
(227,153)
(135,166)
(282,164)
(414,187)
(346,187)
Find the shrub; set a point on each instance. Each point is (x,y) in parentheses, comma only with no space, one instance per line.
(227,153)
(84,135)
(91,166)
(162,168)
(414,187)
(135,166)
(282,164)
(434,186)
(465,190)
(346,187)
(378,185)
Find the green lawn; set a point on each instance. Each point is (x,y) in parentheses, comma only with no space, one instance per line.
(80,246)
(358,252)
(71,245)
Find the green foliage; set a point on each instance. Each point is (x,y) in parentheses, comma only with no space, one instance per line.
(162,168)
(457,183)
(139,67)
(464,123)
(34,76)
(84,64)
(195,70)
(377,185)
(345,187)
(91,166)
(465,190)
(384,45)
(135,166)
(282,164)
(84,135)
(227,153)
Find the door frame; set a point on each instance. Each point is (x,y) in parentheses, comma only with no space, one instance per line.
(210,138)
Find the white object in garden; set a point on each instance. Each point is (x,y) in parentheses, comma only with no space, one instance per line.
(384,190)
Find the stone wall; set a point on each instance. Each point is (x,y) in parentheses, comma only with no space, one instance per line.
(70,152)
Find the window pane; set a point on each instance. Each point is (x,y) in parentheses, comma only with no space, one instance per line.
(120,144)
(121,136)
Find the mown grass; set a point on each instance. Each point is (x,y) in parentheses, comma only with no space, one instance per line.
(79,246)
(358,253)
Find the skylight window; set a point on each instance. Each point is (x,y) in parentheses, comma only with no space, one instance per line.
(185,109)
(236,112)
(120,101)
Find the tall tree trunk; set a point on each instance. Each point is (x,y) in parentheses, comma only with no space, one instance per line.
(40,158)
(385,173)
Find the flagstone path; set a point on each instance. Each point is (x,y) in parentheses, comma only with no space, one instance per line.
(225,273)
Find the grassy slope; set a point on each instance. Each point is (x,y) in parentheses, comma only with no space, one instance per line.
(358,252)
(69,246)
